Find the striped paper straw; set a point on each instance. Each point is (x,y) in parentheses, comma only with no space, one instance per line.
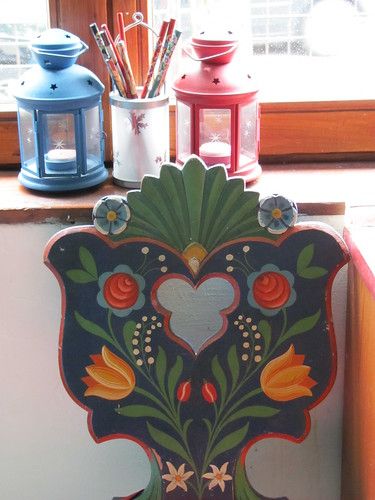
(155,57)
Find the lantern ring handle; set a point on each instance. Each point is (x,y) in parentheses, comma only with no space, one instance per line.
(42,52)
(187,50)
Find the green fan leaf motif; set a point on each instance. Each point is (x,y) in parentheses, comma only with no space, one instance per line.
(193,205)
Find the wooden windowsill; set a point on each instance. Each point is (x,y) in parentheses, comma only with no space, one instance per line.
(318,189)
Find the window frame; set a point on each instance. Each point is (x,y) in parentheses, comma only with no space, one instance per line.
(290,132)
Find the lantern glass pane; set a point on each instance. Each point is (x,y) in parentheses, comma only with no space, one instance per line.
(27,138)
(248,134)
(215,136)
(59,143)
(183,131)
(93,138)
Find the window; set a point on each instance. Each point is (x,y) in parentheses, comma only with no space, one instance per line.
(299,125)
(20,21)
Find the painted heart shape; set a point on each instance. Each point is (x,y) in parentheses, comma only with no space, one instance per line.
(196,314)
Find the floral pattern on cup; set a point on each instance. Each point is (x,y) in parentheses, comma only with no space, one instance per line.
(111,215)
(277,214)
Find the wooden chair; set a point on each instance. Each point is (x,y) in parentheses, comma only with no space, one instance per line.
(196,321)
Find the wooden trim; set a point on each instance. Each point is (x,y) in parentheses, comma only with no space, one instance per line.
(309,186)
(292,134)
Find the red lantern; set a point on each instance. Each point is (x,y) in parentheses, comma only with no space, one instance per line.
(217,109)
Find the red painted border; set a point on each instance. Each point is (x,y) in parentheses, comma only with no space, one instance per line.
(297,228)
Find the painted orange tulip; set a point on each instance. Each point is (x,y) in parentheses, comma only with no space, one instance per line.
(110,377)
(286,377)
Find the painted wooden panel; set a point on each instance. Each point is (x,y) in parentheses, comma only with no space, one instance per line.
(197,325)
(359,413)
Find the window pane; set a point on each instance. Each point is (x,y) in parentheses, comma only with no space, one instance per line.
(312,47)
(20,21)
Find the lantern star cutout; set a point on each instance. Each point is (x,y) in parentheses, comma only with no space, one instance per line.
(53,86)
(215,81)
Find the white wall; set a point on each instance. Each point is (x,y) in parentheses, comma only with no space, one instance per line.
(45,449)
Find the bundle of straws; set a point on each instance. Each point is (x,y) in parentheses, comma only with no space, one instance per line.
(116,58)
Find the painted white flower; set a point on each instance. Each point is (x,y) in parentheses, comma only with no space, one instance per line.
(218,476)
(177,477)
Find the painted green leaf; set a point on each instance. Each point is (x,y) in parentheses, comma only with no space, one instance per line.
(154,489)
(265,330)
(161,367)
(141,207)
(242,488)
(208,425)
(127,333)
(167,441)
(91,327)
(186,425)
(174,376)
(173,183)
(233,364)
(135,411)
(213,186)
(194,176)
(301,326)
(254,411)
(88,262)
(229,441)
(80,276)
(157,198)
(313,272)
(305,257)
(220,376)
(228,201)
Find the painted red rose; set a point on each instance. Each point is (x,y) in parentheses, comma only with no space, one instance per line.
(121,291)
(271,290)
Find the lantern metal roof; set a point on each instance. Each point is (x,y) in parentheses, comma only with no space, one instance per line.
(221,71)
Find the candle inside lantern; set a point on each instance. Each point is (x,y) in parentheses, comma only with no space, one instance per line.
(61,155)
(215,152)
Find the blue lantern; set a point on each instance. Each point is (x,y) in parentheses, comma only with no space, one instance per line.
(60,118)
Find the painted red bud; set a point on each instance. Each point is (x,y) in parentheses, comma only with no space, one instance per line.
(184,391)
(209,392)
